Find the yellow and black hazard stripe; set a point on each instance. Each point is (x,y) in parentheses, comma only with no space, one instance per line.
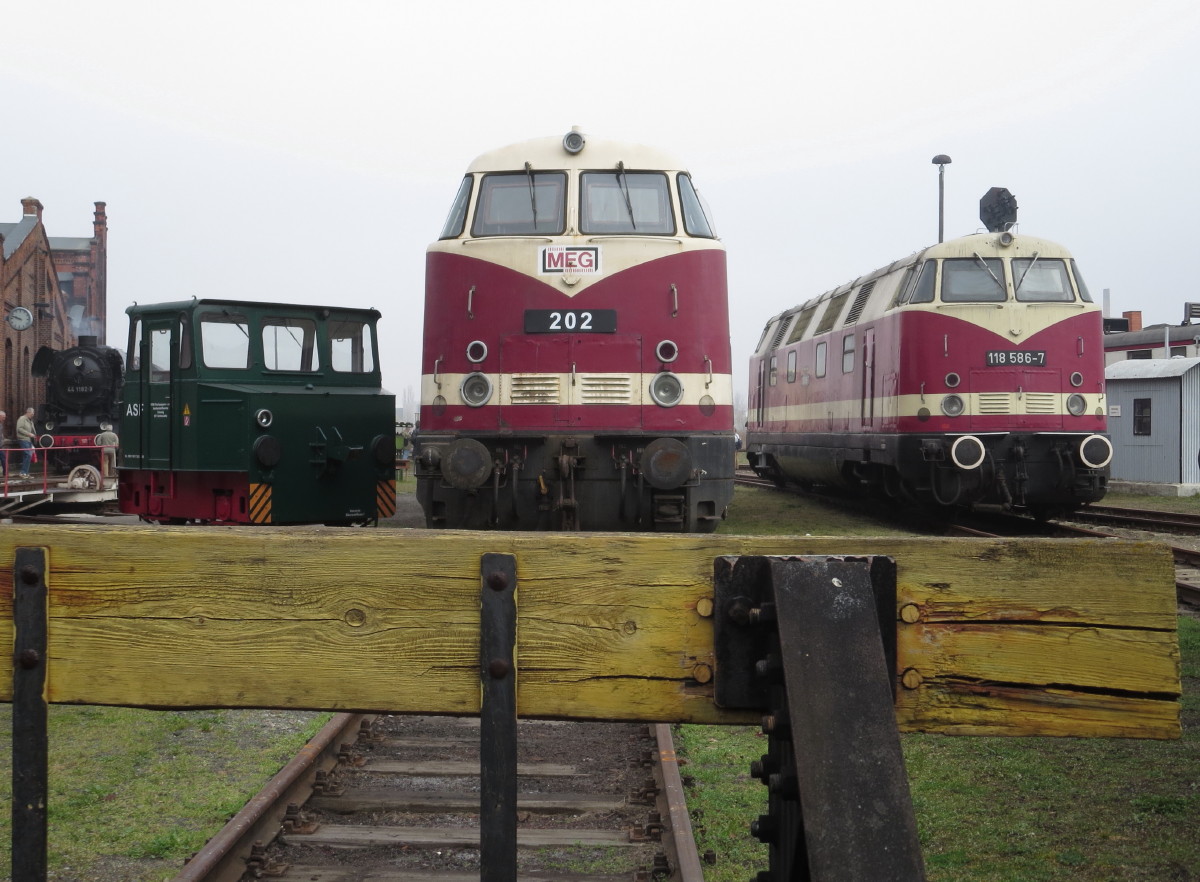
(260,503)
(385,498)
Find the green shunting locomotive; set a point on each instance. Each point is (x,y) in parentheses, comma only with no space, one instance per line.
(255,413)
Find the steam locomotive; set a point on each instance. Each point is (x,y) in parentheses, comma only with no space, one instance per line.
(83,398)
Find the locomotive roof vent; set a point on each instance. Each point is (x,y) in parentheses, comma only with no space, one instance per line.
(573,141)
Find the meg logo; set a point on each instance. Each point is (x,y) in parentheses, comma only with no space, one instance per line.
(578,259)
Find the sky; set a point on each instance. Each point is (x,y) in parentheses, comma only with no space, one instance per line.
(308,152)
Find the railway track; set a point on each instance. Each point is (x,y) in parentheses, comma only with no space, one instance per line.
(396,799)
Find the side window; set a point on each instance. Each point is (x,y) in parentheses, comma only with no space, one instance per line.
(160,354)
(922,291)
(133,355)
(353,350)
(1084,294)
(289,344)
(185,341)
(822,352)
(791,369)
(224,340)
(695,217)
(848,353)
(457,218)
(774,369)
(1141,416)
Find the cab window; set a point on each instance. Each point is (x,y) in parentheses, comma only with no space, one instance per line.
(133,355)
(289,344)
(695,213)
(453,227)
(520,204)
(624,202)
(224,340)
(353,350)
(1041,281)
(971,280)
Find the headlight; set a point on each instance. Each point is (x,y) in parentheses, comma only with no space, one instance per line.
(1076,404)
(666,389)
(268,450)
(264,418)
(666,351)
(952,405)
(476,351)
(476,390)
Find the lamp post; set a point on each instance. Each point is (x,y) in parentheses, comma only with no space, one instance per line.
(941,161)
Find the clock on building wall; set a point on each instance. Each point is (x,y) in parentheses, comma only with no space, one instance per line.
(20,318)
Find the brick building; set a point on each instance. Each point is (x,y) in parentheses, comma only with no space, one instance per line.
(61,283)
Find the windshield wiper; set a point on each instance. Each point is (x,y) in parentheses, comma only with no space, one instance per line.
(983,263)
(1027,269)
(532,194)
(625,192)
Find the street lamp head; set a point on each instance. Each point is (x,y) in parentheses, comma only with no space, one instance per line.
(941,159)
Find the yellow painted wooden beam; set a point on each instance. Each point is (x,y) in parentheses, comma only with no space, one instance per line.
(994,636)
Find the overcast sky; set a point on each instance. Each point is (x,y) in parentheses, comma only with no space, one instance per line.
(304,151)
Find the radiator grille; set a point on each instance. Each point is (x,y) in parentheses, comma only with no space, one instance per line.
(1041,402)
(995,402)
(536,389)
(606,389)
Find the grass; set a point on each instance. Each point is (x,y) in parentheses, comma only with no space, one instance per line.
(133,792)
(988,809)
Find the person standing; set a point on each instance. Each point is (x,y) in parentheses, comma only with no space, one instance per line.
(108,441)
(25,435)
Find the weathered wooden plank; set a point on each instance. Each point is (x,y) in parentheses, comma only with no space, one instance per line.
(1021,636)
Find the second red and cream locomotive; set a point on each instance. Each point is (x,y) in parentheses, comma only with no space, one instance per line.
(970,372)
(576,362)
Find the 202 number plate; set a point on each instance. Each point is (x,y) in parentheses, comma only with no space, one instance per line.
(570,321)
(1031,358)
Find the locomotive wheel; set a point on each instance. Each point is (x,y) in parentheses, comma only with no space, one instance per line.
(85,477)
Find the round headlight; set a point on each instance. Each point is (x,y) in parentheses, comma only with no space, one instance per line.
(952,405)
(476,351)
(476,390)
(573,141)
(264,418)
(952,380)
(1076,404)
(666,389)
(667,351)
(1076,379)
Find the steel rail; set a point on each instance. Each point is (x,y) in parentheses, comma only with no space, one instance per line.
(224,858)
(680,842)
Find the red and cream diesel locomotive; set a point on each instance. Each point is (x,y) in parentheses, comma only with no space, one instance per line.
(576,359)
(970,372)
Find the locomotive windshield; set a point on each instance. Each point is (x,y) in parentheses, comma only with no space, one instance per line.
(1041,281)
(353,346)
(224,340)
(289,344)
(618,201)
(458,211)
(973,280)
(521,204)
(695,213)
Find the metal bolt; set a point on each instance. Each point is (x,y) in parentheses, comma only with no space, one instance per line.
(498,668)
(910,613)
(911,678)
(29,575)
(29,659)
(497,581)
(704,607)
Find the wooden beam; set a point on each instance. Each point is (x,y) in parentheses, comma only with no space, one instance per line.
(1029,636)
